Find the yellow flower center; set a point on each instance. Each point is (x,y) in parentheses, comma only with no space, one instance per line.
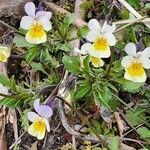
(101,44)
(37,31)
(136,69)
(39,126)
(3,57)
(95,60)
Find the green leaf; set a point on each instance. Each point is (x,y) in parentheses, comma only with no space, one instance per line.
(10,102)
(31,54)
(64,47)
(48,59)
(104,95)
(133,117)
(21,42)
(134,3)
(86,5)
(124,14)
(82,32)
(144,132)
(24,120)
(81,91)
(69,19)
(72,64)
(38,67)
(114,143)
(5,81)
(129,86)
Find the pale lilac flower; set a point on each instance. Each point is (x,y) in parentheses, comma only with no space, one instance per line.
(40,120)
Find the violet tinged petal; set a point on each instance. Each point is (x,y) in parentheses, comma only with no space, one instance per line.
(44,111)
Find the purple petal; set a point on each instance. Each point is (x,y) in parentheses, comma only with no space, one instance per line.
(44,111)
(32,116)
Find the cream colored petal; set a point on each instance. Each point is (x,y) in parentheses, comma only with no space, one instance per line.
(97,62)
(145,62)
(127,61)
(30,9)
(85,48)
(32,116)
(27,22)
(41,136)
(44,21)
(108,28)
(94,25)
(110,38)
(100,54)
(32,131)
(130,49)
(146,52)
(135,78)
(47,125)
(92,36)
(36,40)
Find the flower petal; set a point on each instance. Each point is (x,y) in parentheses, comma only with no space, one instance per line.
(130,49)
(127,61)
(145,62)
(85,48)
(135,78)
(42,110)
(146,52)
(30,9)
(111,38)
(44,21)
(47,14)
(108,28)
(4,54)
(94,25)
(97,62)
(100,53)
(27,22)
(37,129)
(36,38)
(32,116)
(92,36)
(76,50)
(47,125)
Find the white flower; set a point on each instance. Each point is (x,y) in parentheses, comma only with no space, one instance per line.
(36,24)
(135,63)
(101,37)
(40,120)
(96,61)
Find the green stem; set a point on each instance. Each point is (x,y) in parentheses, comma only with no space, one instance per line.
(111,62)
(130,108)
(10,27)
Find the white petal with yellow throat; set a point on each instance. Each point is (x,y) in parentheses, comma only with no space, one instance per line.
(135,72)
(27,22)
(36,35)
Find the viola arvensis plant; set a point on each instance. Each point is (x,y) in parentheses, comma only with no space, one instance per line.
(101,39)
(96,61)
(135,63)
(4,53)
(37,23)
(40,120)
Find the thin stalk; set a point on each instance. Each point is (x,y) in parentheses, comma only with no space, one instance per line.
(130,108)
(10,27)
(111,62)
